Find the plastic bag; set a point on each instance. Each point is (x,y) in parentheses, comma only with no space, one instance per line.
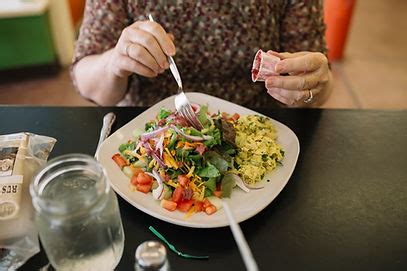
(21,155)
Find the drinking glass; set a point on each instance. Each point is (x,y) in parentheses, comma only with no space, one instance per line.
(77,214)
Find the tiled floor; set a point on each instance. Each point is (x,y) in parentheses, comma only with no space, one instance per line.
(373,73)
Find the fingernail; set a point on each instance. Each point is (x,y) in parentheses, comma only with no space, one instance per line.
(279,67)
(171,51)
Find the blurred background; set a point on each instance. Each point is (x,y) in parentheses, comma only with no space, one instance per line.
(367,50)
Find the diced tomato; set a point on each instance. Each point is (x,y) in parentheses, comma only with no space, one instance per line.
(180,144)
(185,205)
(188,145)
(143,178)
(145,188)
(119,160)
(183,180)
(217,193)
(169,205)
(210,209)
(177,194)
(198,206)
(133,180)
(235,117)
(206,203)
(136,170)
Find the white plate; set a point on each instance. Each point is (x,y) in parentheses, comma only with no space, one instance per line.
(243,205)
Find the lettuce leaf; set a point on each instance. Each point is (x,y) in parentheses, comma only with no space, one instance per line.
(129,146)
(210,171)
(203,116)
(216,159)
(211,184)
(163,113)
(228,182)
(216,138)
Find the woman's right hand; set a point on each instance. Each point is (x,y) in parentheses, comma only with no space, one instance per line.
(142,48)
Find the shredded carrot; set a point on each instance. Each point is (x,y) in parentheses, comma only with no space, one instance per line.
(180,144)
(189,145)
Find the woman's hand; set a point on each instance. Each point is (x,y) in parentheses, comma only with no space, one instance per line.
(142,48)
(307,81)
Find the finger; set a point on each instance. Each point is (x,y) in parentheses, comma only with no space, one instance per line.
(284,55)
(305,63)
(278,97)
(159,34)
(294,82)
(290,97)
(294,97)
(171,36)
(128,65)
(140,54)
(149,42)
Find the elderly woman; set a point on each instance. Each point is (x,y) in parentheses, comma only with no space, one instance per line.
(121,56)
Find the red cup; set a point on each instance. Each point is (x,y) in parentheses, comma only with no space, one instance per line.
(264,65)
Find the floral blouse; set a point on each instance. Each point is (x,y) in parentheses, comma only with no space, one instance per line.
(215,39)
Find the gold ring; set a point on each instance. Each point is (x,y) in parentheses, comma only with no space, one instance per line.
(127,49)
(310,97)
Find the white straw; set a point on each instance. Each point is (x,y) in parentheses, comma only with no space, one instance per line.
(241,242)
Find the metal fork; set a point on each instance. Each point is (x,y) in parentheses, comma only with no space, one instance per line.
(182,104)
(241,242)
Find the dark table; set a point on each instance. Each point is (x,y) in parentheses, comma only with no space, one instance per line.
(344,208)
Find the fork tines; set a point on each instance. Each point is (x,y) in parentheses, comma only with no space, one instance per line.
(187,112)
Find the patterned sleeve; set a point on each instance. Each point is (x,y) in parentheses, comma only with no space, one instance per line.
(303,27)
(102,25)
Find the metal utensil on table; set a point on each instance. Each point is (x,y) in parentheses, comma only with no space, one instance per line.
(241,242)
(108,121)
(182,104)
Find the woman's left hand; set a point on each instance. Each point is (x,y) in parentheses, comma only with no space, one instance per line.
(307,80)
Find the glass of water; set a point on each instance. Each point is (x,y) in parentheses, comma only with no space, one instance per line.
(77,216)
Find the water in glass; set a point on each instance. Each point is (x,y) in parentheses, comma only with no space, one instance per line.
(78,217)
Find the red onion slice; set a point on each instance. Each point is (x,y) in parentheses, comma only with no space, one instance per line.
(154,133)
(151,152)
(159,145)
(159,191)
(193,138)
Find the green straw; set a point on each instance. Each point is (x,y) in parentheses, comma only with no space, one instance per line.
(179,253)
